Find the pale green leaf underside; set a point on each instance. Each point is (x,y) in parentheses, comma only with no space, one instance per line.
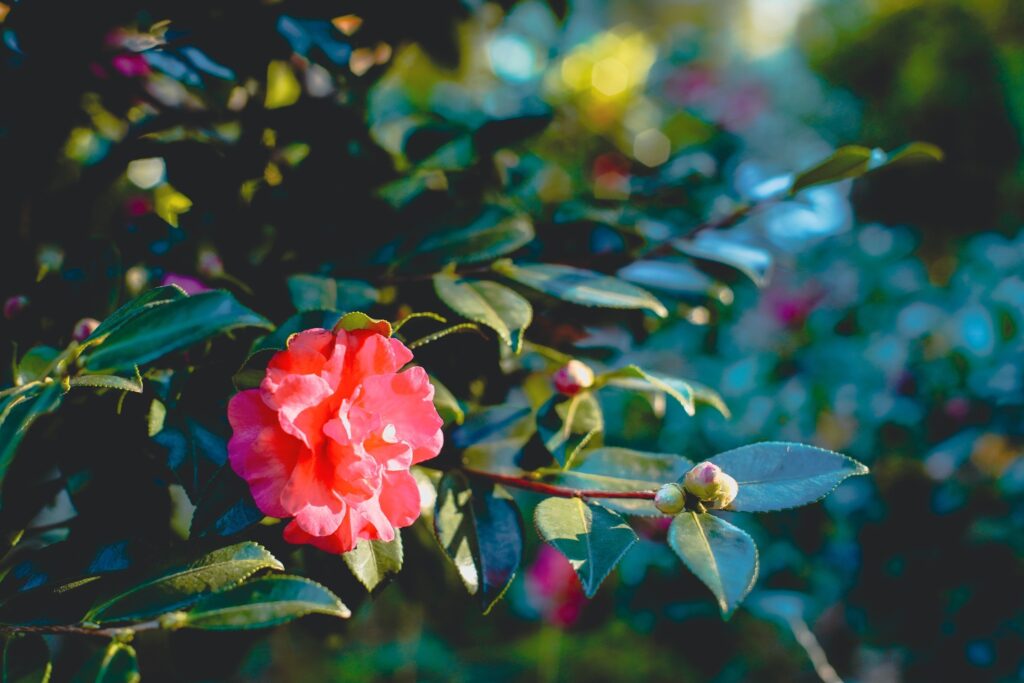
(722,556)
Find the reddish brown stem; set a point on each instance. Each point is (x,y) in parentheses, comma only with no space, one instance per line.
(560,491)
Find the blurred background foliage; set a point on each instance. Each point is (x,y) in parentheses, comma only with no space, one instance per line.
(211,144)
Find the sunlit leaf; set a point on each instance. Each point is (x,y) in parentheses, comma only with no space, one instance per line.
(447,405)
(623,469)
(481,532)
(724,557)
(591,537)
(775,475)
(372,562)
(487,303)
(752,261)
(264,602)
(582,287)
(184,584)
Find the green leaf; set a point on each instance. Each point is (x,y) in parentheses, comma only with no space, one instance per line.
(623,469)
(357,320)
(494,233)
(487,303)
(184,584)
(264,602)
(685,392)
(752,261)
(194,452)
(447,405)
(168,327)
(916,152)
(776,475)
(724,557)
(675,277)
(565,425)
(314,292)
(583,287)
(371,562)
(35,363)
(307,320)
(591,537)
(133,384)
(481,532)
(18,412)
(26,659)
(114,664)
(633,377)
(851,161)
(141,304)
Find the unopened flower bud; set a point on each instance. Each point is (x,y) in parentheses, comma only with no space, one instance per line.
(670,499)
(713,487)
(210,264)
(135,279)
(573,377)
(50,257)
(83,328)
(14,306)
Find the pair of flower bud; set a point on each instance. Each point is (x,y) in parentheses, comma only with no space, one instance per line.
(705,487)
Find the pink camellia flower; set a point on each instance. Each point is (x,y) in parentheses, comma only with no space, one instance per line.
(553,588)
(573,377)
(330,435)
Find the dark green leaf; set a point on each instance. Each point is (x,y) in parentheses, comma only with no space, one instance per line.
(35,363)
(582,287)
(487,303)
(846,162)
(18,412)
(371,562)
(317,293)
(591,537)
(495,233)
(447,405)
(116,663)
(264,602)
(307,320)
(480,530)
(144,302)
(623,469)
(194,452)
(565,425)
(226,507)
(163,329)
(184,584)
(775,475)
(633,377)
(724,557)
(754,262)
(26,659)
(915,152)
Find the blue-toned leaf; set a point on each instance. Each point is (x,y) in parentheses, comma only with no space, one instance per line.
(777,475)
(583,287)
